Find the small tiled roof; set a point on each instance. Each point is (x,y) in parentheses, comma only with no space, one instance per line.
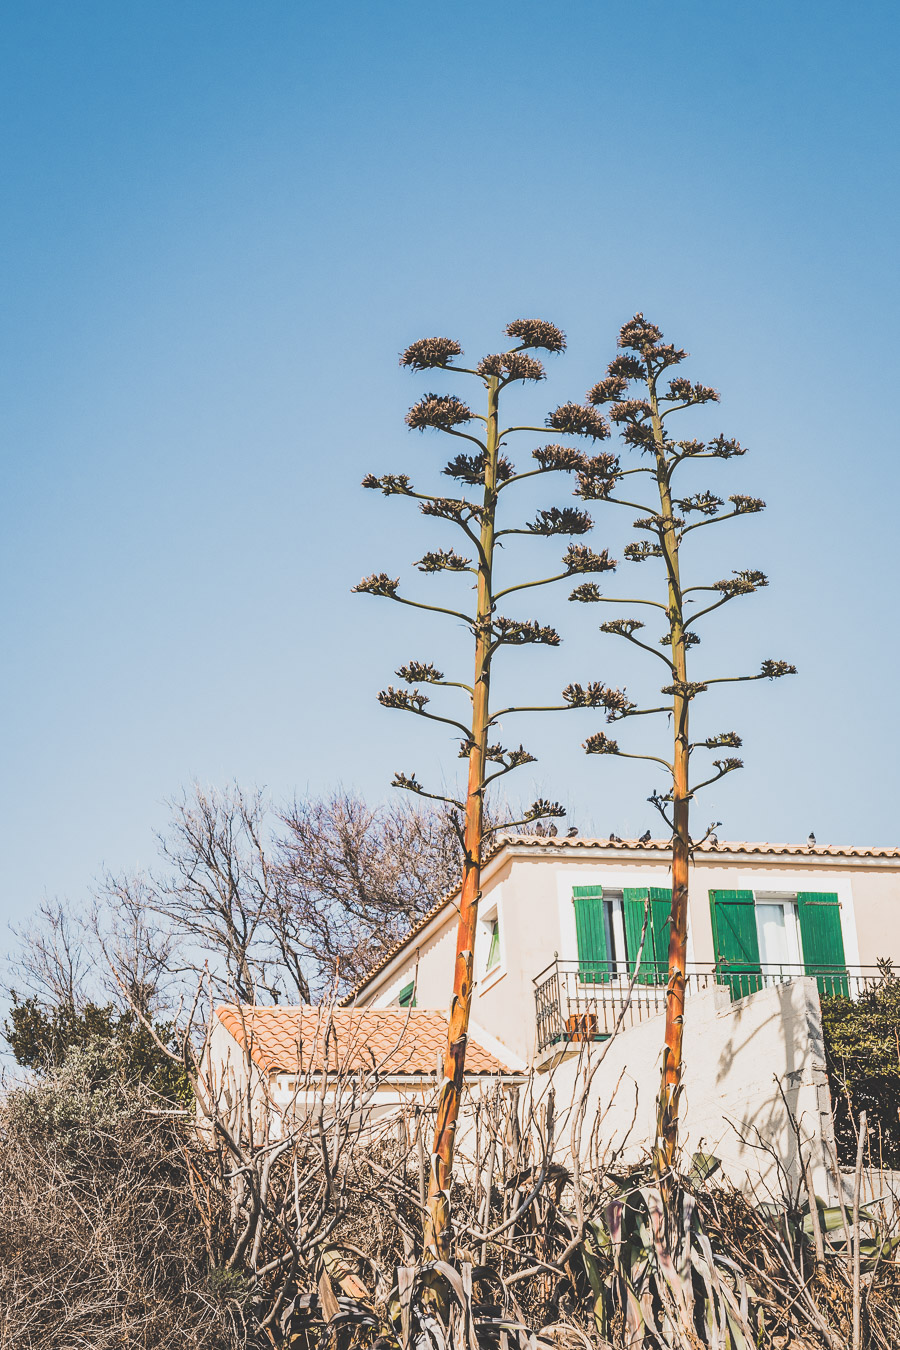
(397,1041)
(564,845)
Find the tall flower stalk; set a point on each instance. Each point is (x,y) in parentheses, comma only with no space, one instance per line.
(644,419)
(484,467)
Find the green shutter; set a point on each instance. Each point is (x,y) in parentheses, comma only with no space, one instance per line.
(406,997)
(655,955)
(823,943)
(736,940)
(590,930)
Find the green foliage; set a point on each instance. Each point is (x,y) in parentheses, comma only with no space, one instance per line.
(110,1044)
(862,1052)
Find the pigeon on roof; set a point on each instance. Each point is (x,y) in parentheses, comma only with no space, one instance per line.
(645,837)
(811,841)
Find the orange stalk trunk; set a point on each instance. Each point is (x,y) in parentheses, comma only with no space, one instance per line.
(437,1220)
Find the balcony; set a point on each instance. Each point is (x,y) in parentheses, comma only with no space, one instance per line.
(578,1002)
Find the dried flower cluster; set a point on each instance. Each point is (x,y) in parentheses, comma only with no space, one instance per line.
(509,366)
(470,469)
(561,520)
(441,411)
(573,419)
(409,700)
(587,592)
(518,632)
(430,353)
(537,333)
(563,457)
(597,695)
(416,671)
(725,739)
(642,550)
(442,560)
(580,558)
(773,670)
(600,744)
(377,584)
(391,484)
(743,583)
(622,627)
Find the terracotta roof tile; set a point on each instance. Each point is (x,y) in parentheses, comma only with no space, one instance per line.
(564,845)
(307,1039)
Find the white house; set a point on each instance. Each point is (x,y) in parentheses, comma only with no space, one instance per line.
(771,929)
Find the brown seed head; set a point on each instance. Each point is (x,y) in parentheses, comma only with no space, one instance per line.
(604,391)
(576,420)
(438,410)
(537,333)
(511,366)
(626,368)
(601,744)
(430,353)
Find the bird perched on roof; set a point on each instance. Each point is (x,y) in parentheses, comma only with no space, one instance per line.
(553,831)
(645,837)
(539,829)
(571,832)
(614,839)
(811,841)
(713,840)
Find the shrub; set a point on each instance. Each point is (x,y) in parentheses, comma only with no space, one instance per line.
(862,1050)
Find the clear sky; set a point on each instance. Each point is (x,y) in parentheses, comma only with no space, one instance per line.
(222,221)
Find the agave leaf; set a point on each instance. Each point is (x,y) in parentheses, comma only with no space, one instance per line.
(703,1165)
(595,1280)
(340,1270)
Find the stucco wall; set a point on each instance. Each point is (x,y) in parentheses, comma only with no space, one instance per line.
(533,892)
(735,1056)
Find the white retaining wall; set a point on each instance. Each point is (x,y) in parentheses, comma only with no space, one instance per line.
(737,1057)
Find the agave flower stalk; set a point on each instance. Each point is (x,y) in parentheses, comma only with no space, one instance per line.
(484,467)
(643,417)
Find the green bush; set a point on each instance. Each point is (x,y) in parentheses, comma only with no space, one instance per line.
(862,1051)
(120,1045)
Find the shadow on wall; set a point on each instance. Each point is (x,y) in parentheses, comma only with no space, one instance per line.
(755,1088)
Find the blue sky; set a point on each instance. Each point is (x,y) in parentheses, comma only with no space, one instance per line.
(221,223)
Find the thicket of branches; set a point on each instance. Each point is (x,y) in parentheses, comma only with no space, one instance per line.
(123,1225)
(273,906)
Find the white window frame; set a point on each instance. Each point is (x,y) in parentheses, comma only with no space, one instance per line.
(492,913)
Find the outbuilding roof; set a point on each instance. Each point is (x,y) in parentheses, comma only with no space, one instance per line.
(397,1042)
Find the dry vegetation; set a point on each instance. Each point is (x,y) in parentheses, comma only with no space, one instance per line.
(126,1223)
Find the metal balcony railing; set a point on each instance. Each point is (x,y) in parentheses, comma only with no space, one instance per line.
(579,1002)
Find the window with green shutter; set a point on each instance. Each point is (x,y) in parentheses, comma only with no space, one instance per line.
(590,931)
(819,913)
(736,940)
(494,949)
(655,951)
(407,996)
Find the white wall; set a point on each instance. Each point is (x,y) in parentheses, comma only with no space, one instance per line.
(734,1056)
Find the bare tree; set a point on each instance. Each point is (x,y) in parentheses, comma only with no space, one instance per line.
(55,957)
(138,945)
(354,878)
